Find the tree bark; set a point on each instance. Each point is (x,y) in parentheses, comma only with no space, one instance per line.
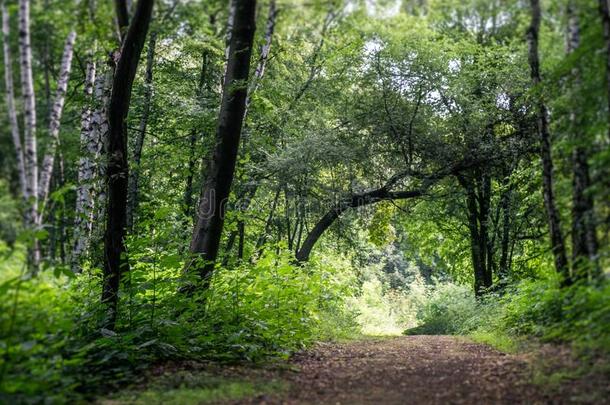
(117,171)
(10,101)
(584,238)
(604,10)
(86,165)
(221,168)
(505,206)
(134,177)
(477,207)
(122,17)
(248,192)
(99,148)
(264,55)
(48,162)
(30,142)
(557,241)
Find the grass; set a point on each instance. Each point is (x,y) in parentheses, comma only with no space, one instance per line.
(194,387)
(499,341)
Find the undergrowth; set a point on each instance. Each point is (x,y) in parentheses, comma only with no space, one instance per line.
(53,349)
(578,315)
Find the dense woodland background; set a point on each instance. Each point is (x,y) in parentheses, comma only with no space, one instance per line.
(212,180)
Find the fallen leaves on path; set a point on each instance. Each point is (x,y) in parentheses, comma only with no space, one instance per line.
(412,370)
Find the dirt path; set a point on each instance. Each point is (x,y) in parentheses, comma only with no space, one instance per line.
(412,370)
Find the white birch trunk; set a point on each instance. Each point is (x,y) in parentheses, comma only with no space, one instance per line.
(264,55)
(29,106)
(86,164)
(230,23)
(98,142)
(10,100)
(55,120)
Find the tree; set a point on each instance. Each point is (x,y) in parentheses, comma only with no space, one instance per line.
(557,242)
(221,167)
(117,171)
(584,238)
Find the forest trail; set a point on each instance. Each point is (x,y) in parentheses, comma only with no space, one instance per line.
(412,370)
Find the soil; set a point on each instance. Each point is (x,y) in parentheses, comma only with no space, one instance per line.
(422,370)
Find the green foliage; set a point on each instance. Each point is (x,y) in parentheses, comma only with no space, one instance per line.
(274,307)
(578,315)
(54,348)
(447,310)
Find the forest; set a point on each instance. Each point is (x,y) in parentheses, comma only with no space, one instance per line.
(305,201)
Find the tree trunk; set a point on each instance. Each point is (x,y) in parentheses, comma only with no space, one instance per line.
(10,101)
(484,220)
(29,106)
(84,191)
(134,178)
(476,213)
(122,17)
(264,55)
(604,10)
(557,242)
(584,238)
(48,162)
(188,189)
(99,149)
(117,171)
(221,168)
(249,192)
(262,239)
(505,206)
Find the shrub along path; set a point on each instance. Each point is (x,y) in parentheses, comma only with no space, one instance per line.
(420,370)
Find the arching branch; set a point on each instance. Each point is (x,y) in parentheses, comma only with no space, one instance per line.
(383,193)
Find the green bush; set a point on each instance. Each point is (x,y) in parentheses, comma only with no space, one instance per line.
(447,310)
(579,315)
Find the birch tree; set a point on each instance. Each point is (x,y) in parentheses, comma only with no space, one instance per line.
(86,161)
(55,121)
(10,100)
(29,106)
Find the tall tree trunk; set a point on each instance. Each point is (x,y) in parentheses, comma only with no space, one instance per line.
(264,55)
(122,17)
(29,106)
(134,175)
(48,162)
(478,239)
(188,189)
(484,199)
(262,239)
(10,101)
(248,192)
(221,168)
(84,191)
(505,206)
(604,10)
(584,238)
(557,242)
(117,171)
(99,148)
